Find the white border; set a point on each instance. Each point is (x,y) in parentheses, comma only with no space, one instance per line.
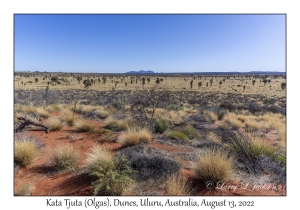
(9,8)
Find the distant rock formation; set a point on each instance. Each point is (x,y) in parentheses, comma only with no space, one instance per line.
(140,72)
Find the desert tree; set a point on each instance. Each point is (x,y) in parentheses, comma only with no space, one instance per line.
(265,81)
(36,80)
(104,79)
(143,81)
(148,80)
(211,81)
(157,81)
(87,83)
(253,82)
(199,84)
(191,84)
(79,78)
(283,86)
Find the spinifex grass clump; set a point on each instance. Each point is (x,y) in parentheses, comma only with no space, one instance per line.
(54,124)
(112,174)
(64,158)
(83,126)
(135,136)
(68,117)
(25,151)
(213,164)
(177,185)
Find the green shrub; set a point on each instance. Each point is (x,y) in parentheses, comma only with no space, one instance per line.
(160,125)
(118,105)
(178,135)
(261,148)
(189,130)
(111,178)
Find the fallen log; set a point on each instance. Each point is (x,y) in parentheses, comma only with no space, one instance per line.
(29,122)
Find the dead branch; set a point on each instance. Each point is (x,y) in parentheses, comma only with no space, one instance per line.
(27,123)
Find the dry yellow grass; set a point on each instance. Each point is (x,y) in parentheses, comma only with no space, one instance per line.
(97,155)
(83,126)
(214,138)
(177,185)
(232,119)
(135,136)
(23,190)
(54,124)
(213,116)
(25,152)
(28,109)
(103,114)
(42,112)
(213,165)
(114,124)
(68,116)
(169,83)
(64,158)
(174,117)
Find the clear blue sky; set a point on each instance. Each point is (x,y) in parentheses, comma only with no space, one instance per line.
(161,43)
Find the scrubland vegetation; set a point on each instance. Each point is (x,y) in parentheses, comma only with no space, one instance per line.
(145,134)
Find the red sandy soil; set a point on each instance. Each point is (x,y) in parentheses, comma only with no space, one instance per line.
(47,183)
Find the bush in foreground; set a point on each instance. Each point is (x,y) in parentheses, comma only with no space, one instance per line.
(213,165)
(177,186)
(64,158)
(25,151)
(150,163)
(112,174)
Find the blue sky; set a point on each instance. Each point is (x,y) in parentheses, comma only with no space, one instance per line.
(161,43)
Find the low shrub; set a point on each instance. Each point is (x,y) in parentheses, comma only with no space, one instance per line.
(261,148)
(118,104)
(112,174)
(189,130)
(160,125)
(64,158)
(150,163)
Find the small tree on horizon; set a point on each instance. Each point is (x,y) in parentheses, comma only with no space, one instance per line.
(199,84)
